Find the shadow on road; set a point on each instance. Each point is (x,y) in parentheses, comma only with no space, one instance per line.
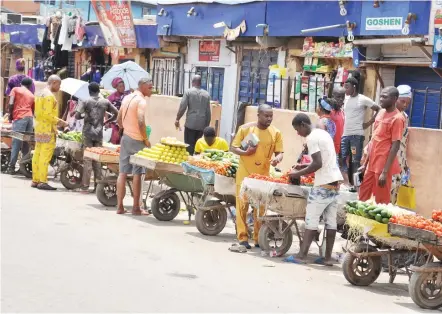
(391,289)
(416,308)
(222,237)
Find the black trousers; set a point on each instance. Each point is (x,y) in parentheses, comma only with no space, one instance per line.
(190,138)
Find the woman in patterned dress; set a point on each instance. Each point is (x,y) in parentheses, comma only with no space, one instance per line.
(325,122)
(402,104)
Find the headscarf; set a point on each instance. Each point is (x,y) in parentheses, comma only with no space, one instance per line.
(404,91)
(20,64)
(116,81)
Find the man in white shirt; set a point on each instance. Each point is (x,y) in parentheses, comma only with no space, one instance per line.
(352,142)
(322,198)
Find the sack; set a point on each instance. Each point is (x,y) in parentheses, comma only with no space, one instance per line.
(406,196)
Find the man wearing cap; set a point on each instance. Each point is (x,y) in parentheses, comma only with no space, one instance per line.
(402,104)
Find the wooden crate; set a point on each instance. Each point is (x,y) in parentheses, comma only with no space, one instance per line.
(412,233)
(155,165)
(101,158)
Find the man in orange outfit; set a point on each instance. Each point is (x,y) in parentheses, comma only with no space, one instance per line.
(255,159)
(382,161)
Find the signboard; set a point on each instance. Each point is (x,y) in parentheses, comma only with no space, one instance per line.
(115,18)
(437,48)
(209,50)
(4,37)
(383,23)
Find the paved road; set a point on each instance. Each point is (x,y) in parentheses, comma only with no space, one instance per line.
(63,252)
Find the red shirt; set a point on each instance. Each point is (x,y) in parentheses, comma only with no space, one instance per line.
(388,128)
(339,119)
(23,102)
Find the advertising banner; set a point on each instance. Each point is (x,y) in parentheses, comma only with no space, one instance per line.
(115,18)
(209,50)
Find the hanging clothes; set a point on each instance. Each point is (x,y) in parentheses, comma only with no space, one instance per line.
(80,31)
(46,43)
(63,30)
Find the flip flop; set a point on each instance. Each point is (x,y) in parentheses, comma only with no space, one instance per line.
(294,260)
(237,248)
(321,261)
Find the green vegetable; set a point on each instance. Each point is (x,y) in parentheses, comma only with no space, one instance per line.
(377,210)
(378,218)
(385,220)
(385,213)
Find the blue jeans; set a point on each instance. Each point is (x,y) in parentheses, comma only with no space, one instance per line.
(352,145)
(25,124)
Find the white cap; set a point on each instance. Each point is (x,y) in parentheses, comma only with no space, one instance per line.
(404,91)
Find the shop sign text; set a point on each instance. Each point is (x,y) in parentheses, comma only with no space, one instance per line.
(383,23)
(209,50)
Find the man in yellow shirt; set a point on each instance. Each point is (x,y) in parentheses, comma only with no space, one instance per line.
(46,121)
(255,159)
(210,141)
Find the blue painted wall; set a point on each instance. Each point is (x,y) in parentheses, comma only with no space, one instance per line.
(288,18)
(208,15)
(397,9)
(89,14)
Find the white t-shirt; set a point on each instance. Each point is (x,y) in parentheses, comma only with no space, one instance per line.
(354,110)
(320,141)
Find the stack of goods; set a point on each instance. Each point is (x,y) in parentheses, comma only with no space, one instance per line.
(170,150)
(102,151)
(222,163)
(381,213)
(283,179)
(111,146)
(307,180)
(418,222)
(72,136)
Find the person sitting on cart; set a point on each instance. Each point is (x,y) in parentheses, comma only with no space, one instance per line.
(255,159)
(93,112)
(21,114)
(382,162)
(210,141)
(323,196)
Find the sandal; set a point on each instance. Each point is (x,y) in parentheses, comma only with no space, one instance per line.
(34,184)
(238,248)
(294,260)
(140,212)
(321,261)
(46,187)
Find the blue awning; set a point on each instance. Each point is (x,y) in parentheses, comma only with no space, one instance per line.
(24,34)
(146,36)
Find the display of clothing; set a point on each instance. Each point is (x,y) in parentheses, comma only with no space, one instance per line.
(80,32)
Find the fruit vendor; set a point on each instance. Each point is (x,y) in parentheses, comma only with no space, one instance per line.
(196,101)
(21,113)
(131,120)
(46,121)
(210,141)
(93,111)
(382,161)
(255,158)
(323,196)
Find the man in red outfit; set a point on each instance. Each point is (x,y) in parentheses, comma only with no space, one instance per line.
(382,162)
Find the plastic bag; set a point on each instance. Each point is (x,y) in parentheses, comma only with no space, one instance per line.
(406,196)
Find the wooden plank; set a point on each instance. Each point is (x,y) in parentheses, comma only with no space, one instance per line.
(155,165)
(101,158)
(411,233)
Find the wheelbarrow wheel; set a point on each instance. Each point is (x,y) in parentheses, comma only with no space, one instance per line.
(362,271)
(211,222)
(72,176)
(425,288)
(165,206)
(268,241)
(5,158)
(107,194)
(26,169)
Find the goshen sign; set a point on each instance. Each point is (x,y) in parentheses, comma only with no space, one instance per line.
(383,23)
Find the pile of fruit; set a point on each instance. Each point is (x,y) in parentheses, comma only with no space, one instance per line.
(222,167)
(72,136)
(381,213)
(102,151)
(307,180)
(283,179)
(172,141)
(418,222)
(166,153)
(437,215)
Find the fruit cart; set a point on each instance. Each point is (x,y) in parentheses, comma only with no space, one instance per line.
(371,248)
(425,286)
(69,157)
(283,204)
(106,189)
(25,165)
(210,207)
(6,145)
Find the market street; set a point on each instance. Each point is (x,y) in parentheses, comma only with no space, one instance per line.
(63,252)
